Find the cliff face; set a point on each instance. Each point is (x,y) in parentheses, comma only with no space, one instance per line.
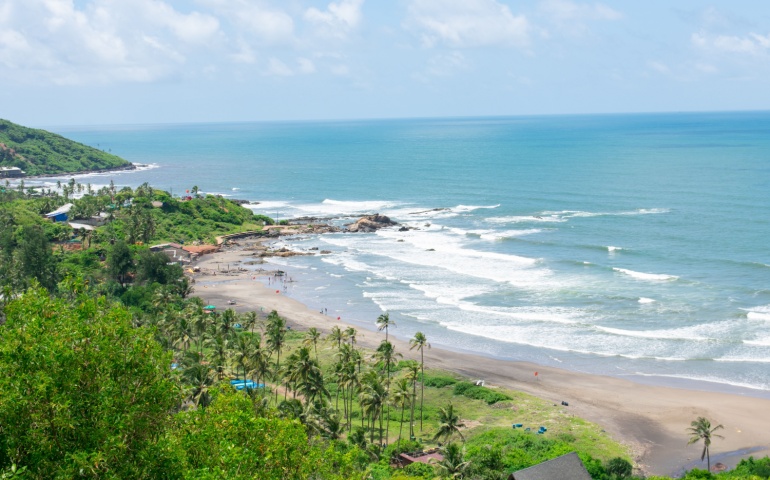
(39,152)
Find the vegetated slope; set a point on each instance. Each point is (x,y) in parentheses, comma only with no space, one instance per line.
(39,152)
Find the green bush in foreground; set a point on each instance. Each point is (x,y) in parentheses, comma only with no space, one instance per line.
(88,393)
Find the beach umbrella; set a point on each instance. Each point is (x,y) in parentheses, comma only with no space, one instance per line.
(209,307)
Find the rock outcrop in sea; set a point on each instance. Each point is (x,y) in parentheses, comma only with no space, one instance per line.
(371,223)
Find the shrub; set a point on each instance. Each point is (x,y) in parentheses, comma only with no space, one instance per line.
(467,389)
(438,381)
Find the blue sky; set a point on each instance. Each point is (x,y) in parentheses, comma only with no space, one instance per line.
(86,62)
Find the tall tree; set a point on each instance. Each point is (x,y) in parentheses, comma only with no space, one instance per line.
(311,338)
(420,342)
(700,429)
(401,398)
(120,262)
(36,258)
(384,323)
(276,338)
(386,353)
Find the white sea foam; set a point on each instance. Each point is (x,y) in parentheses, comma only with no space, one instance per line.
(614,249)
(685,333)
(526,219)
(702,378)
(656,277)
(235,189)
(268,205)
(582,214)
(470,208)
(758,313)
(762,342)
(644,300)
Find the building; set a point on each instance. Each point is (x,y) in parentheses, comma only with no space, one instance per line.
(174,251)
(11,172)
(428,457)
(60,214)
(566,467)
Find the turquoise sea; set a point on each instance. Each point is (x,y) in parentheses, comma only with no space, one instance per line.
(629,245)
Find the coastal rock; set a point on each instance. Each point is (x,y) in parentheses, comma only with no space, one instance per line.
(371,223)
(403,229)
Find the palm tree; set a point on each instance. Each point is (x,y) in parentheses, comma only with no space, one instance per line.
(219,346)
(412,374)
(384,322)
(448,423)
(453,465)
(244,352)
(420,342)
(401,398)
(198,376)
(311,338)
(336,335)
(386,352)
(276,337)
(249,321)
(350,333)
(260,361)
(372,397)
(700,429)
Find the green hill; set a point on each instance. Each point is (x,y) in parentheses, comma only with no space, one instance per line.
(39,152)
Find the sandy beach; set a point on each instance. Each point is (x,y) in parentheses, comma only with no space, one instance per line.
(652,420)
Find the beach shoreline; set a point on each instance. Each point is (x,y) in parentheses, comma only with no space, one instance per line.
(650,419)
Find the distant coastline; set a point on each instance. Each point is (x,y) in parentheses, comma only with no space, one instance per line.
(130,167)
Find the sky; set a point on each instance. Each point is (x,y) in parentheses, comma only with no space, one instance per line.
(97,62)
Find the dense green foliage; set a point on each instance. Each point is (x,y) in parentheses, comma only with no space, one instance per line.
(88,390)
(438,380)
(39,152)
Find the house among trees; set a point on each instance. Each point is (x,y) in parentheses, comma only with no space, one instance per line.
(174,251)
(11,172)
(566,467)
(60,214)
(428,457)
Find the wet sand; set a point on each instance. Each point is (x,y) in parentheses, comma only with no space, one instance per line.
(652,420)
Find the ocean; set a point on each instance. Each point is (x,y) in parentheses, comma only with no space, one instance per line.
(627,245)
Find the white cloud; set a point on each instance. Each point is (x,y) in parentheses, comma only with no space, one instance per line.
(257,20)
(104,41)
(466,23)
(338,19)
(571,18)
(751,44)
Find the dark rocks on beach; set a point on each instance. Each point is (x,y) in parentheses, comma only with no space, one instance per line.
(403,229)
(325,252)
(371,223)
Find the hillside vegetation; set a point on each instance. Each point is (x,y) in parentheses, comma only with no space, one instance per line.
(39,152)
